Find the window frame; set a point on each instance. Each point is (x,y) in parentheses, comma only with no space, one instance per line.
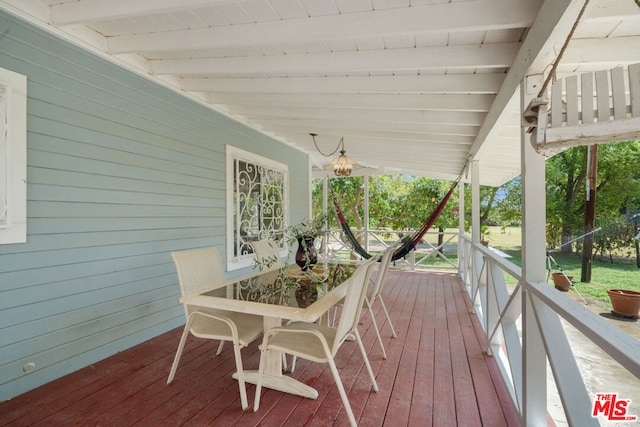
(13,157)
(233,155)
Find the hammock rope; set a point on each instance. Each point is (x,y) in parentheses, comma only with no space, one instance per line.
(403,250)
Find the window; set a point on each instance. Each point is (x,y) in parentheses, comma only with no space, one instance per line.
(13,157)
(257,203)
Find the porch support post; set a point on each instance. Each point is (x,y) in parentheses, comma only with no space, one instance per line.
(475,201)
(460,222)
(534,363)
(325,204)
(366,210)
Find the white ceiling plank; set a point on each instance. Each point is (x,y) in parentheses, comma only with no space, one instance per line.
(612,10)
(449,57)
(360,146)
(317,126)
(34,11)
(466,102)
(414,86)
(451,17)
(605,53)
(451,84)
(550,29)
(86,11)
(411,116)
(300,134)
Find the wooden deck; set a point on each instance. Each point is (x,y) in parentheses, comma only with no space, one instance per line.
(436,374)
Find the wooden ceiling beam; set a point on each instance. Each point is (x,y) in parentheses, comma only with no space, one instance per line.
(465,16)
(499,55)
(434,84)
(457,102)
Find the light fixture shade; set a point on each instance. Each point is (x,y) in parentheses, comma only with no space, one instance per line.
(342,165)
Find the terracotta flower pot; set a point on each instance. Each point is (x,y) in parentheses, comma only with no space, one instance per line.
(561,282)
(625,303)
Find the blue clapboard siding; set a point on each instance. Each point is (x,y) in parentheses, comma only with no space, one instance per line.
(120,171)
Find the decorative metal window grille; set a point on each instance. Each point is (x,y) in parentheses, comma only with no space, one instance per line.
(259,202)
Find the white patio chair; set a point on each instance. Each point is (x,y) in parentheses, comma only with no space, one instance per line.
(201,270)
(267,254)
(376,295)
(319,343)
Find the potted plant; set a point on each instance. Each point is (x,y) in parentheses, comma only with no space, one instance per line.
(484,235)
(562,281)
(305,234)
(625,303)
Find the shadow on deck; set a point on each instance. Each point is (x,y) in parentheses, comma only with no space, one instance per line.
(436,374)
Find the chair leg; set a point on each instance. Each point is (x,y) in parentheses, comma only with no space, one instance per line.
(220,348)
(293,363)
(343,393)
(366,361)
(375,326)
(240,371)
(263,350)
(176,359)
(386,313)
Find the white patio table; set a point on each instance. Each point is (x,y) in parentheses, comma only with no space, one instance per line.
(242,295)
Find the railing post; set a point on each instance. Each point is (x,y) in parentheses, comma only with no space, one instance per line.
(461,208)
(475,201)
(534,360)
(366,210)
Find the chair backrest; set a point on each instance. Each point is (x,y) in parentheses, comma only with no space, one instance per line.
(382,272)
(199,270)
(267,254)
(352,305)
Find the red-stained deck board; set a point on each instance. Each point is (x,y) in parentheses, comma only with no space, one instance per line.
(436,374)
(422,399)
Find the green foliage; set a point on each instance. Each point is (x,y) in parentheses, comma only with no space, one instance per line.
(508,211)
(618,187)
(308,228)
(397,202)
(615,238)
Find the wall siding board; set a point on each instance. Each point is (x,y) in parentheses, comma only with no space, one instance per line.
(81,225)
(109,129)
(68,178)
(59,275)
(70,353)
(121,171)
(71,325)
(86,250)
(132,90)
(43,292)
(77,148)
(48,209)
(98,168)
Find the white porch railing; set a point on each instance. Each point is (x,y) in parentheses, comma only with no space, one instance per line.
(427,255)
(501,314)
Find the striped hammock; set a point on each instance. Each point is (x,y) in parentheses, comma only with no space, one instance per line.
(405,248)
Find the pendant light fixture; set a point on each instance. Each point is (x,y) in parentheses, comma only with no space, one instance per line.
(342,165)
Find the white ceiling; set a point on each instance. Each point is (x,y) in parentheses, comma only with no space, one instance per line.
(413,86)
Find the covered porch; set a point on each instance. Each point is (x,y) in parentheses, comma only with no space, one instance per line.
(437,373)
(128,114)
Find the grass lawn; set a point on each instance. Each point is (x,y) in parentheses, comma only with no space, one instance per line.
(622,274)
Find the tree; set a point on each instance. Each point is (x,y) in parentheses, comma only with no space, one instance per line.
(509,205)
(565,176)
(618,188)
